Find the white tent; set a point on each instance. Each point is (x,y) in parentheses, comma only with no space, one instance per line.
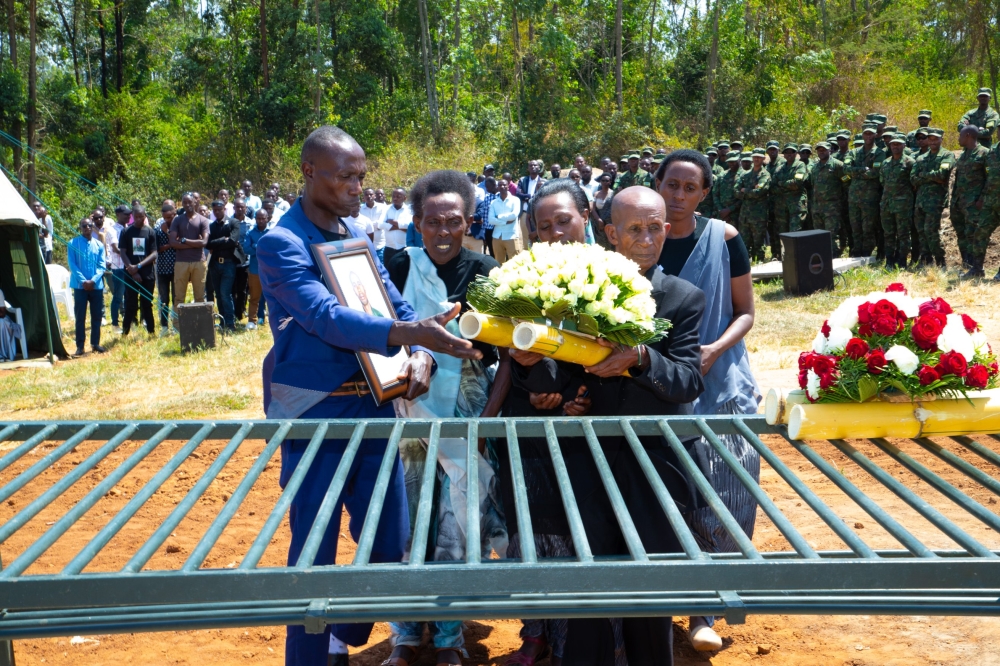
(13,209)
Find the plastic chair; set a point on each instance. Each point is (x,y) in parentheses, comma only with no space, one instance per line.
(19,320)
(61,293)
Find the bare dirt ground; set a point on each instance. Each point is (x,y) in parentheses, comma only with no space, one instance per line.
(778,640)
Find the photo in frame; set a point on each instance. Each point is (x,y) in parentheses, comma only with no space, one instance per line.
(351,275)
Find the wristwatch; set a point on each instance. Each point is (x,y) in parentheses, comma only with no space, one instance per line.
(183,241)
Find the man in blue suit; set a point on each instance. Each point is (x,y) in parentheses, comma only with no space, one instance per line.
(312,371)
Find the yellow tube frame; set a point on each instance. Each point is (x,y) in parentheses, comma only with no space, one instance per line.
(779,402)
(558,344)
(493,330)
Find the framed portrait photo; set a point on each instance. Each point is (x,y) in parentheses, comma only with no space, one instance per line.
(351,275)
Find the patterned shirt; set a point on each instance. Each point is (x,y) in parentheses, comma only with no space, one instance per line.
(164,258)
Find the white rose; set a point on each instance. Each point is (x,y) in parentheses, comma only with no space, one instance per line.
(954,337)
(905,360)
(503,291)
(576,287)
(846,314)
(812,384)
(611,292)
(529,290)
(819,343)
(838,339)
(589,292)
(906,304)
(980,343)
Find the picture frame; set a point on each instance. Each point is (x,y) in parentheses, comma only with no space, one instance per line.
(350,273)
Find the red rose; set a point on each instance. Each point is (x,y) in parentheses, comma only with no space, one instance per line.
(977,377)
(935,305)
(952,363)
(926,330)
(927,375)
(887,325)
(896,286)
(969,323)
(994,368)
(827,380)
(823,365)
(805,361)
(865,330)
(803,379)
(884,308)
(856,348)
(826,328)
(876,361)
(865,313)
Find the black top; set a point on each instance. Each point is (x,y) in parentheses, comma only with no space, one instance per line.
(676,251)
(330,236)
(137,244)
(457,275)
(224,240)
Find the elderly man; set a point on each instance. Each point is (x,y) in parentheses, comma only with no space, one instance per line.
(313,371)
(654,379)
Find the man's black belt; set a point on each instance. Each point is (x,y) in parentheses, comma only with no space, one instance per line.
(351,388)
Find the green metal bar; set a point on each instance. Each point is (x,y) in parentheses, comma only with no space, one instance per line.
(631,535)
(521,509)
(939,484)
(835,522)
(779,519)
(375,504)
(147,550)
(331,500)
(45,462)
(921,506)
(705,488)
(473,536)
(667,503)
(62,485)
(6,647)
(61,526)
(422,524)
(960,463)
(108,532)
(982,451)
(580,543)
(277,514)
(867,504)
(8,431)
(207,541)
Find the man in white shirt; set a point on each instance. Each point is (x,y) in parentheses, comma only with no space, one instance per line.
(112,233)
(397,218)
(587,180)
(45,233)
(374,212)
(273,212)
(253,201)
(503,217)
(360,223)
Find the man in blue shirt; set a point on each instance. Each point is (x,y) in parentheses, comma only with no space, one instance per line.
(312,371)
(86,279)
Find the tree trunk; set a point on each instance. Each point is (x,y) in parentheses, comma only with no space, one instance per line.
(713,62)
(263,44)
(32,91)
(104,53)
(16,125)
(119,45)
(70,36)
(516,38)
(652,27)
(425,52)
(619,100)
(456,77)
(319,63)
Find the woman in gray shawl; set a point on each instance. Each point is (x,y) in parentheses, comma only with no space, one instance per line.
(711,255)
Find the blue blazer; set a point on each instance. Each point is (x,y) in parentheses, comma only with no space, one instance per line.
(315,337)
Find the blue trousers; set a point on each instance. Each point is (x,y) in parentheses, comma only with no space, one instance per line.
(222,276)
(302,649)
(95,300)
(117,284)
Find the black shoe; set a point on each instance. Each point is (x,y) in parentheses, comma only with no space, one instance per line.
(99,349)
(79,351)
(338,660)
(974,273)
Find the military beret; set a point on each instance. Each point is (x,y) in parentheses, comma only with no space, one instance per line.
(868,128)
(723,144)
(924,113)
(772,144)
(711,151)
(935,131)
(823,144)
(759,151)
(898,138)
(790,146)
(985,91)
(647,149)
(921,130)
(633,156)
(880,118)
(805,146)
(890,129)
(733,157)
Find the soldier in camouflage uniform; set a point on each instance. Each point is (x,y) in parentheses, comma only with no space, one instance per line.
(746,163)
(805,154)
(633,175)
(985,118)
(862,167)
(720,163)
(966,208)
(991,208)
(923,120)
(897,202)
(842,149)
(789,184)
(920,139)
(825,176)
(751,190)
(736,144)
(773,162)
(707,207)
(727,206)
(930,176)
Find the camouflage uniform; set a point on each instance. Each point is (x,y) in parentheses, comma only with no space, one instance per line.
(862,166)
(725,196)
(772,218)
(970,178)
(752,190)
(628,179)
(789,187)
(827,196)
(911,137)
(991,207)
(930,176)
(846,238)
(897,208)
(987,119)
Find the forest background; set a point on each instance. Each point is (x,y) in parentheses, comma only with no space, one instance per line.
(122,99)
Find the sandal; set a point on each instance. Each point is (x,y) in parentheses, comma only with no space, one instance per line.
(449,657)
(520,658)
(405,655)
